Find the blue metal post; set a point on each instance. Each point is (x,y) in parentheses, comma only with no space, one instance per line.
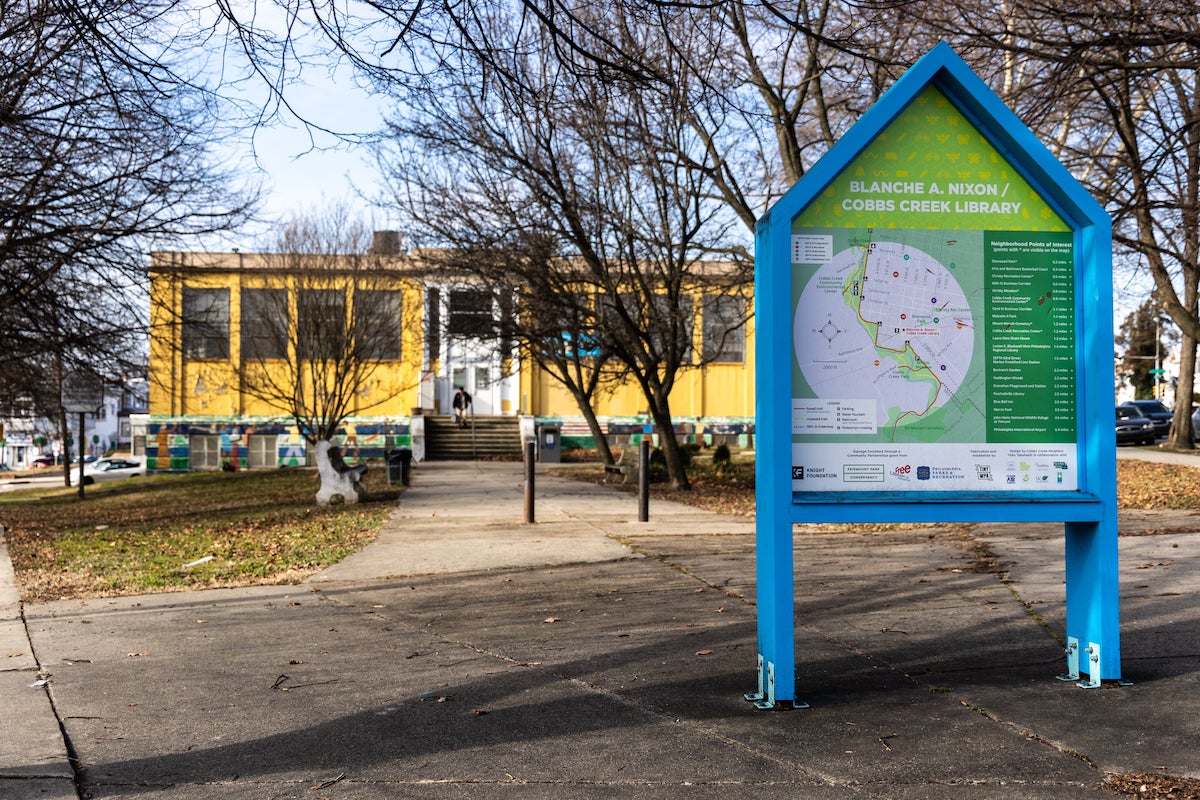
(773,528)
(1092,597)
(1091,556)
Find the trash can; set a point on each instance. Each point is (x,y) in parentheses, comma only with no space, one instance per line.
(399,467)
(549,444)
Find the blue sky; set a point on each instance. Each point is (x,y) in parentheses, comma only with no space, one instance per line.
(302,175)
(303,168)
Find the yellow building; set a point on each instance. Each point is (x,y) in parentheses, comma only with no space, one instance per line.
(234,336)
(713,400)
(232,332)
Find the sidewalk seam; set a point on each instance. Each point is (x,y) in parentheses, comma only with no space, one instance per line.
(68,745)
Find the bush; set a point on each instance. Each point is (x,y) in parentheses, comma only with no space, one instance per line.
(721,455)
(687,452)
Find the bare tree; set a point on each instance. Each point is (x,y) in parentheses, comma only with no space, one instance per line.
(105,137)
(538,151)
(766,87)
(325,336)
(543,311)
(1115,90)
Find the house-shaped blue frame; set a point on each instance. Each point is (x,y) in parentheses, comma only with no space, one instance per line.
(1089,513)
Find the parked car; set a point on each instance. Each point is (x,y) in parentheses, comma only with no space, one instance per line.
(42,462)
(110,469)
(1133,427)
(1159,414)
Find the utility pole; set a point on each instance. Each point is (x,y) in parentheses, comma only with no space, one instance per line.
(1158,372)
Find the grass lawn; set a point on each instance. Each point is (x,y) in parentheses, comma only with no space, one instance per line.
(136,536)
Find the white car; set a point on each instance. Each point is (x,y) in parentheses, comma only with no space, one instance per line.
(109,469)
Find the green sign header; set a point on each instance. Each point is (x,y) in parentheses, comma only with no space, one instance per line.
(931,168)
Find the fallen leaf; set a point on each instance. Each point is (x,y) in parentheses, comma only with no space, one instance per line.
(138,655)
(704,652)
(550,619)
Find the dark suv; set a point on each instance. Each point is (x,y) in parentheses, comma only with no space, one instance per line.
(1159,414)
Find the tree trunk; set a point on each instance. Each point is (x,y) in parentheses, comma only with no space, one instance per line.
(1182,437)
(676,472)
(64,432)
(583,389)
(589,414)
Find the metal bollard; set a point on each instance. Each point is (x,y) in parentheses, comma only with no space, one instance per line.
(530,453)
(644,481)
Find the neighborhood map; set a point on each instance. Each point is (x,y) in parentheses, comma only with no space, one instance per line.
(885,338)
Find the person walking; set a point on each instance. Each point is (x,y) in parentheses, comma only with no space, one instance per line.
(462,402)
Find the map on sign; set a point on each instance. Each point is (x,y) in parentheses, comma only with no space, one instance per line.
(885,339)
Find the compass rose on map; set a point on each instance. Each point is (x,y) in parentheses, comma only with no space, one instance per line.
(829,331)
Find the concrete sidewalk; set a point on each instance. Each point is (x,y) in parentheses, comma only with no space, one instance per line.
(466,654)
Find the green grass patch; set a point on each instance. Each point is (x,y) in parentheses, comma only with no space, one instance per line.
(135,536)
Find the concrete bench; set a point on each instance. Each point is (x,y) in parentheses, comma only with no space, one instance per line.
(338,479)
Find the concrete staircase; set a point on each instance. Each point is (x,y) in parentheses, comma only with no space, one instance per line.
(492,437)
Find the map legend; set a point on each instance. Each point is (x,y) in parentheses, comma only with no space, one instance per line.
(833,416)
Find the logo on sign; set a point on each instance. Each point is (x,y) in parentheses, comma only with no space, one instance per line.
(797,473)
(922,473)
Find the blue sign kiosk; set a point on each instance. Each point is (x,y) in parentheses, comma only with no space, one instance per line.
(934,344)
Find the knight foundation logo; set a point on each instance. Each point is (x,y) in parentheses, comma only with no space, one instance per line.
(797,473)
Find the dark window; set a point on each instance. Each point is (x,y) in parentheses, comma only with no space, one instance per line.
(621,320)
(508,325)
(321,324)
(264,324)
(670,326)
(433,308)
(205,323)
(378,321)
(725,329)
(470,313)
